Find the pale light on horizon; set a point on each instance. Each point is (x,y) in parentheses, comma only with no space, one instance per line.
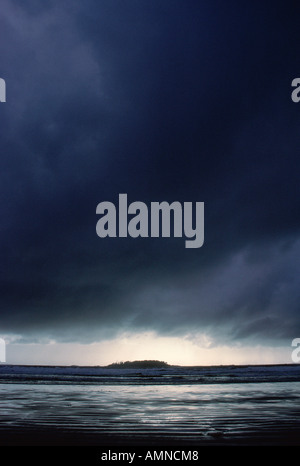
(141,346)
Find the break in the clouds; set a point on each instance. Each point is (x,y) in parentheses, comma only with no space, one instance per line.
(173,101)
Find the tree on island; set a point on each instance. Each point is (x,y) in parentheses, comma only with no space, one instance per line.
(147,364)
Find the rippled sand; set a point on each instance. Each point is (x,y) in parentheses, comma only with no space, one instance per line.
(221,414)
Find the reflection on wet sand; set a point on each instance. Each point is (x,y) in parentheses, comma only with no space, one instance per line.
(264,413)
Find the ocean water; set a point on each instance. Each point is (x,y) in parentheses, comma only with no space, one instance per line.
(174,406)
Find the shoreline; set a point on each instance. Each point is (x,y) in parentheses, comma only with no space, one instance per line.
(169,366)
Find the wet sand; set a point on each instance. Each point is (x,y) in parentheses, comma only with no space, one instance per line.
(189,415)
(57,437)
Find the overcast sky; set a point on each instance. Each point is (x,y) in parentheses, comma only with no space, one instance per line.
(165,101)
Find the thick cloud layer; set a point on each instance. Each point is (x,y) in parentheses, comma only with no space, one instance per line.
(169,101)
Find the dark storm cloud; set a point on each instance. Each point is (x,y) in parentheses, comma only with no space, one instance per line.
(175,101)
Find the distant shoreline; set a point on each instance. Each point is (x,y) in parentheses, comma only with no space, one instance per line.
(167,366)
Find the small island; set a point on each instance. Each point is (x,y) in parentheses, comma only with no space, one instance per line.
(147,364)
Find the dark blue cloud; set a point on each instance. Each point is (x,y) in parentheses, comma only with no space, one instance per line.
(173,101)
